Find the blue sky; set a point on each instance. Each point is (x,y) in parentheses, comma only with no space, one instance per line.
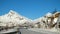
(29,8)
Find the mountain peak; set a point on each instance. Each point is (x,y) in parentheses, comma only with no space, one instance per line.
(12,12)
(49,14)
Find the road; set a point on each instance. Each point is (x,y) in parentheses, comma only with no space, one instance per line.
(36,31)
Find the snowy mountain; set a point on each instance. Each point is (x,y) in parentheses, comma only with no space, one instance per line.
(48,21)
(13,17)
(44,18)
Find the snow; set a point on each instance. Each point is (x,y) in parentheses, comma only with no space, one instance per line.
(55,20)
(13,17)
(49,14)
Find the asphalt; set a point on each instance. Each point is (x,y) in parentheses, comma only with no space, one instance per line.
(35,31)
(32,31)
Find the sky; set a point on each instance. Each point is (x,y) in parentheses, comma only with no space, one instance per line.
(29,8)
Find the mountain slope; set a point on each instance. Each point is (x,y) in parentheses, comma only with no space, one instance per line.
(13,17)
